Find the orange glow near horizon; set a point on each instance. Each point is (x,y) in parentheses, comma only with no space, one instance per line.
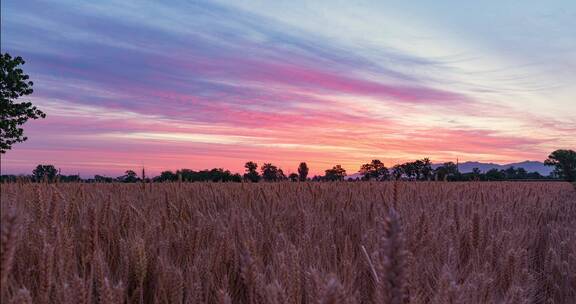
(167,145)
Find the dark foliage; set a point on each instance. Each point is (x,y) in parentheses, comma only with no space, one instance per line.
(251,172)
(44,172)
(13,85)
(337,173)
(303,171)
(564,162)
(271,173)
(375,170)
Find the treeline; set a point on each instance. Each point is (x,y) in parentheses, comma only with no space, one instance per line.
(419,170)
(422,170)
(49,173)
(563,161)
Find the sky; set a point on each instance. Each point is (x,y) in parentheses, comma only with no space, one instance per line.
(204,84)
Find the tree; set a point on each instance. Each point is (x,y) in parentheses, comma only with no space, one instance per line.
(303,171)
(476,173)
(14,84)
(216,175)
(129,177)
(237,178)
(374,170)
(510,172)
(495,175)
(397,171)
(212,175)
(417,166)
(281,175)
(186,175)
(251,166)
(294,177)
(271,173)
(69,178)
(42,172)
(337,173)
(425,167)
(410,169)
(564,162)
(103,179)
(251,173)
(166,176)
(521,173)
(534,175)
(446,170)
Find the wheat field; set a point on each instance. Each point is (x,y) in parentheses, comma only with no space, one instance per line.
(380,242)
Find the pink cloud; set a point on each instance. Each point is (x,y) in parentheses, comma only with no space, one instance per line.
(86,145)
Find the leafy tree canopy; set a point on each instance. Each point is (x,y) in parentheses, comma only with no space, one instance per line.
(447,170)
(129,177)
(271,173)
(564,162)
(251,172)
(13,85)
(293,177)
(45,172)
(374,170)
(303,171)
(337,173)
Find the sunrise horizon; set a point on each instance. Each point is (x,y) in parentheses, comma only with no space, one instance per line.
(288,151)
(208,84)
(316,168)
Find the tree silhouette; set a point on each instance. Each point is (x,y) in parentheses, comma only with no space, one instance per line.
(281,175)
(495,174)
(166,176)
(564,162)
(476,173)
(43,172)
(374,170)
(69,178)
(188,175)
(303,171)
(397,171)
(337,173)
(251,172)
(447,170)
(14,84)
(294,177)
(510,172)
(218,175)
(271,173)
(425,168)
(418,165)
(410,169)
(129,177)
(419,169)
(103,179)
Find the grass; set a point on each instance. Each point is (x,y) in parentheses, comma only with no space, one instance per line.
(289,243)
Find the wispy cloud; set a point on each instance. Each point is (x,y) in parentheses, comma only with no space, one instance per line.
(202,84)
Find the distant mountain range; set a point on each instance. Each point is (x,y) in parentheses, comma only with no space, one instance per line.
(530,166)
